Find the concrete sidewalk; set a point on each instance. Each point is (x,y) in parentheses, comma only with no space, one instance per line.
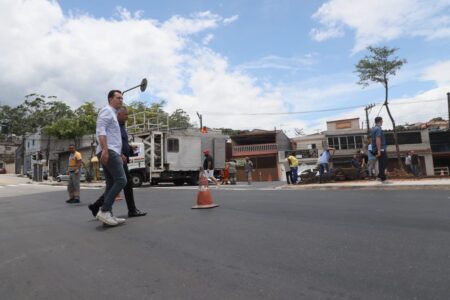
(425,183)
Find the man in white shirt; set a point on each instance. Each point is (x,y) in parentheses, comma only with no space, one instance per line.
(109,150)
(324,160)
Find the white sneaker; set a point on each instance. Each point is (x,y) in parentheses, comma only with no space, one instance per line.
(106,218)
(119,220)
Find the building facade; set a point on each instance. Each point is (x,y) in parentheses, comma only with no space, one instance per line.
(266,149)
(349,138)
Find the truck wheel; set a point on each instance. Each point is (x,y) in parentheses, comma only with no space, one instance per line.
(178,182)
(136,179)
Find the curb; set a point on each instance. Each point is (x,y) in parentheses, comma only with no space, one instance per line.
(370,187)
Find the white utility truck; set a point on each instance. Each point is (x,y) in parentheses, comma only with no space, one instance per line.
(174,155)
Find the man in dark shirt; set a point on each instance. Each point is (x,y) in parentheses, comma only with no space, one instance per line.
(122,117)
(379,148)
(208,166)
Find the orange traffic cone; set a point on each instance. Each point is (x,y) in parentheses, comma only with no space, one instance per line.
(204,198)
(119,197)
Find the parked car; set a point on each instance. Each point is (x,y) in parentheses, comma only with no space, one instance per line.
(64,177)
(2,171)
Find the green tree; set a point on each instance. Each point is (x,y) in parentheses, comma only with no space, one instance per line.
(378,67)
(80,123)
(180,119)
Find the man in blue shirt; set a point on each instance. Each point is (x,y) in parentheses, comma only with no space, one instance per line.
(324,160)
(379,148)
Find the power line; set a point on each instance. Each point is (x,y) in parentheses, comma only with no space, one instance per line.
(319,110)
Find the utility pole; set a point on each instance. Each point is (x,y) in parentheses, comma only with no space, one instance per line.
(200,117)
(448,109)
(367,108)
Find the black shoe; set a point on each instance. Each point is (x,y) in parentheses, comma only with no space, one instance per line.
(68,201)
(136,213)
(94,209)
(71,201)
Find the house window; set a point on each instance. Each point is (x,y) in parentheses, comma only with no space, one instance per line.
(343,142)
(351,142)
(8,148)
(334,143)
(173,145)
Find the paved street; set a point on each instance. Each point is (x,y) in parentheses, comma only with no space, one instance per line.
(259,244)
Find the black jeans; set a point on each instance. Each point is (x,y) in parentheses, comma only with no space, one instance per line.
(382,164)
(289,177)
(127,190)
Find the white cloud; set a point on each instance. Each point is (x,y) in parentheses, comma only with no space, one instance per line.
(382,20)
(80,57)
(439,72)
(207,39)
(277,62)
(230,20)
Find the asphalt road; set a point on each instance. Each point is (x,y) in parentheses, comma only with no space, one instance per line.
(258,244)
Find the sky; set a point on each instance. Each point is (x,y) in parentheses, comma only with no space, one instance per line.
(242,64)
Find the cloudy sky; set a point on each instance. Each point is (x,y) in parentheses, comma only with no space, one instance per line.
(242,64)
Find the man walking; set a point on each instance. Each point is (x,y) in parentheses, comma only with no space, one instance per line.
(293,165)
(110,150)
(208,166)
(122,117)
(74,170)
(379,148)
(324,160)
(248,170)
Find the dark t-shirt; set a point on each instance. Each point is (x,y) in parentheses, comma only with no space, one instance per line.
(208,159)
(414,159)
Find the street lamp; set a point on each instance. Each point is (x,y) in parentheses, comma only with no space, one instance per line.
(142,86)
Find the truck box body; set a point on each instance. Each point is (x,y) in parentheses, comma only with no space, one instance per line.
(175,155)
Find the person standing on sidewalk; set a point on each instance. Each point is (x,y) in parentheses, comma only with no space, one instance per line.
(287,170)
(110,151)
(232,169)
(122,117)
(293,165)
(74,172)
(324,163)
(248,170)
(408,163)
(372,168)
(414,163)
(379,148)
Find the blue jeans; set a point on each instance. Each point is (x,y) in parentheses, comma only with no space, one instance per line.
(115,179)
(322,168)
(294,174)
